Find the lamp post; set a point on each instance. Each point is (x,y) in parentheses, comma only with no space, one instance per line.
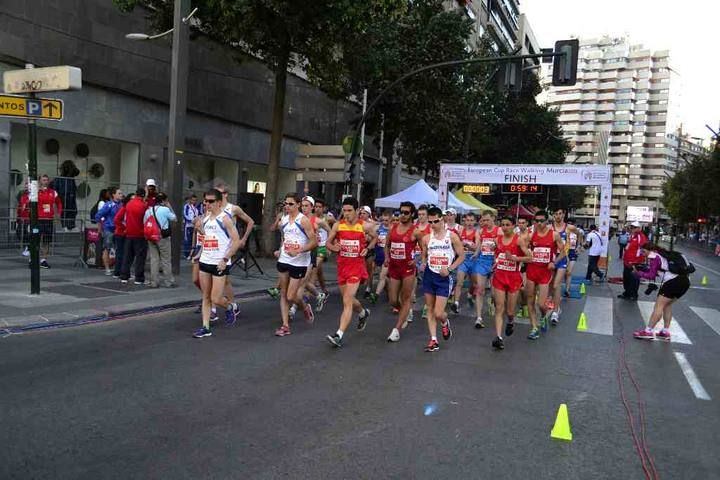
(176,125)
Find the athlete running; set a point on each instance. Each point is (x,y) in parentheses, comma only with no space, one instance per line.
(488,237)
(297,241)
(308,286)
(450,218)
(349,239)
(220,242)
(564,230)
(574,241)
(380,256)
(236,214)
(522,229)
(424,228)
(547,250)
(442,253)
(324,223)
(512,250)
(197,241)
(470,238)
(400,244)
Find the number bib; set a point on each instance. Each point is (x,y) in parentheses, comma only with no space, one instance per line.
(487,247)
(210,244)
(541,255)
(350,248)
(505,264)
(290,246)
(397,251)
(437,262)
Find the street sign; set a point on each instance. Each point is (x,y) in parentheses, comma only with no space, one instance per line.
(49,79)
(24,107)
(639,214)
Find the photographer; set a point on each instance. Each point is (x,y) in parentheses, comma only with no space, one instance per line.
(674,269)
(632,256)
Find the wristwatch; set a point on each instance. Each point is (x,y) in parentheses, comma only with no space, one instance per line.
(451,270)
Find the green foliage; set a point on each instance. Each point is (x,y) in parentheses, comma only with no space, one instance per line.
(692,191)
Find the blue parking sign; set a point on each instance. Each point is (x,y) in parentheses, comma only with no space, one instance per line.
(34,107)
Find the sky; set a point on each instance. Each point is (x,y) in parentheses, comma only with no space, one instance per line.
(686,28)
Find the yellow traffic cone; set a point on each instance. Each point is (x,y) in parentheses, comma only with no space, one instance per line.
(582,323)
(561,430)
(704,280)
(583,290)
(609,259)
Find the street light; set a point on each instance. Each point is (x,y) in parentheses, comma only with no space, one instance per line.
(178,106)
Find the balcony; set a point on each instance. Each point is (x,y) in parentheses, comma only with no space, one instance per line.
(589,106)
(607,86)
(584,138)
(606,96)
(586,128)
(660,63)
(605,117)
(584,148)
(589,86)
(570,117)
(606,107)
(589,96)
(642,85)
(569,107)
(658,96)
(657,118)
(588,75)
(660,75)
(621,138)
(655,129)
(658,108)
(608,75)
(619,149)
(615,65)
(657,151)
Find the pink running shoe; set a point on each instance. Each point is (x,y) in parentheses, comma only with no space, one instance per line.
(644,334)
(663,335)
(282,331)
(309,315)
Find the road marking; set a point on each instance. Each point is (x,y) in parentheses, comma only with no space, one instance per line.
(599,313)
(709,316)
(705,268)
(677,334)
(692,379)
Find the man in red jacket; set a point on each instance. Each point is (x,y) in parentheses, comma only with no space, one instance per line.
(49,207)
(135,243)
(631,257)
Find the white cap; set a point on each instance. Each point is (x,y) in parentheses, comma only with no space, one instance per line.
(635,224)
(367,210)
(150,183)
(309,199)
(450,211)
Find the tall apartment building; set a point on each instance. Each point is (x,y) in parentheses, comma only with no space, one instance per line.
(617,113)
(684,148)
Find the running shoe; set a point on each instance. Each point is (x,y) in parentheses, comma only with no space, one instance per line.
(373,298)
(479,323)
(367,294)
(549,304)
(498,343)
(44,264)
(509,329)
(408,320)
(663,335)
(138,282)
(566,293)
(394,336)
(213,315)
(231,314)
(534,334)
(282,331)
(108,273)
(273,292)
(544,323)
(471,300)
(554,318)
(362,321)
(432,346)
(309,315)
(26,252)
(455,307)
(202,332)
(335,340)
(292,311)
(198,309)
(395,310)
(644,334)
(424,312)
(446,330)
(321,299)
(410,316)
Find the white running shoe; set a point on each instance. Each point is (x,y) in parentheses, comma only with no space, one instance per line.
(394,336)
(25,253)
(554,318)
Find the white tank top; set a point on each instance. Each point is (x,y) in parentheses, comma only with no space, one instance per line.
(322,235)
(440,252)
(215,242)
(294,238)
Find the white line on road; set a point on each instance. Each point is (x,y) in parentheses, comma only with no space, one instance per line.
(677,334)
(692,379)
(706,268)
(599,314)
(709,316)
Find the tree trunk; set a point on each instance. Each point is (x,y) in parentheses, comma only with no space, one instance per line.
(276,138)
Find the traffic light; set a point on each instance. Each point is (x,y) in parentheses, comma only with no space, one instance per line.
(565,66)
(510,76)
(350,168)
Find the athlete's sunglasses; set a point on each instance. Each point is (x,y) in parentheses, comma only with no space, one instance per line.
(434,221)
(540,220)
(290,204)
(209,201)
(405,212)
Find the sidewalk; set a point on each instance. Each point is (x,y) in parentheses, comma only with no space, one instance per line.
(71,296)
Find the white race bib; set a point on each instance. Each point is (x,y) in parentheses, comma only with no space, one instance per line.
(541,255)
(350,248)
(397,250)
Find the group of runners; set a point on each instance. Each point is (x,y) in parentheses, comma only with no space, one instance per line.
(527,267)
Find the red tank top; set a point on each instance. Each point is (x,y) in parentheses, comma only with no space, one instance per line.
(543,247)
(352,241)
(488,240)
(424,231)
(502,251)
(467,237)
(402,245)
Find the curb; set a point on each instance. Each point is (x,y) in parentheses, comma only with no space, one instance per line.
(107,316)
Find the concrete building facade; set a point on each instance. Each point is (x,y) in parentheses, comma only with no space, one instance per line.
(618,113)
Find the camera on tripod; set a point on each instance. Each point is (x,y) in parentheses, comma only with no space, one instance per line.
(651,288)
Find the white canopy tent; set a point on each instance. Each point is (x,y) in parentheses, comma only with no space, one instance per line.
(421,193)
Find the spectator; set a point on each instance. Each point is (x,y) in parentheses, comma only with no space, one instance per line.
(103,196)
(631,257)
(160,250)
(594,244)
(22,229)
(623,238)
(150,192)
(105,217)
(66,188)
(135,243)
(49,207)
(190,212)
(120,236)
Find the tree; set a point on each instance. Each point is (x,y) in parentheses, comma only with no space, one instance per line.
(283,34)
(690,193)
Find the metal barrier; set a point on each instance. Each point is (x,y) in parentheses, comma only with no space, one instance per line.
(15,237)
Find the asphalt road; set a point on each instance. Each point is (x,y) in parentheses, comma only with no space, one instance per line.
(140,398)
